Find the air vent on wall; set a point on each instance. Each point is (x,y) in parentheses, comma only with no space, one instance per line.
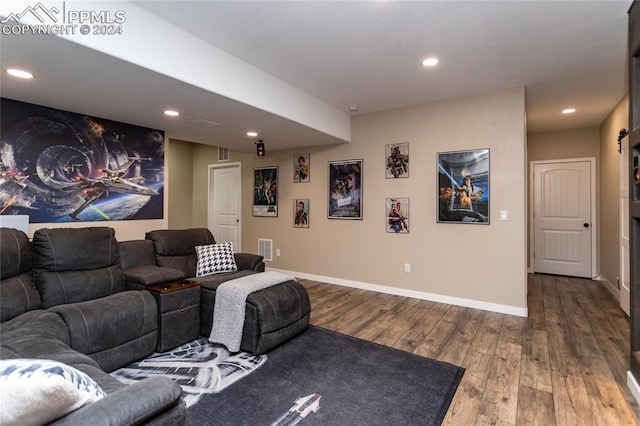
(265,249)
(223,154)
(202,122)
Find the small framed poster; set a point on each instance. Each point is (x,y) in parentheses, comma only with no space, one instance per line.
(265,191)
(301,168)
(397,218)
(300,212)
(397,160)
(345,189)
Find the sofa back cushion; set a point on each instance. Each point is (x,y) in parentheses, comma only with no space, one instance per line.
(176,248)
(18,292)
(75,265)
(136,253)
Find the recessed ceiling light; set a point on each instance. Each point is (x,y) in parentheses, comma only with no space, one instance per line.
(568,111)
(252,134)
(429,62)
(354,108)
(19,73)
(171,113)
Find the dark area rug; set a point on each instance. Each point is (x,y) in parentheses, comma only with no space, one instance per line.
(336,380)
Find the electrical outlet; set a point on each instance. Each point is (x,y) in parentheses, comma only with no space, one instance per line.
(407,267)
(277,252)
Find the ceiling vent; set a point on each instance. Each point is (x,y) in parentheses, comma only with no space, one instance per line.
(202,122)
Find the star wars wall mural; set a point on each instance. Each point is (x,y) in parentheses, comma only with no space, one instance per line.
(58,166)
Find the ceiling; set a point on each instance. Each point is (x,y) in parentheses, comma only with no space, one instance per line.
(364,53)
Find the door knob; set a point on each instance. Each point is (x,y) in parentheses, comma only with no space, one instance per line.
(586,225)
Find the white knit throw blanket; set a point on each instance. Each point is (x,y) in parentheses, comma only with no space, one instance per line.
(231,300)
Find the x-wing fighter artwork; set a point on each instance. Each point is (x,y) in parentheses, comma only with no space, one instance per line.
(112,181)
(301,409)
(58,166)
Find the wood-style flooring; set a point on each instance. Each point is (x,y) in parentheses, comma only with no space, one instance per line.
(565,364)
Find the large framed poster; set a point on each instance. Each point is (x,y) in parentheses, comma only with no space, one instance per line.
(463,186)
(58,166)
(345,189)
(265,191)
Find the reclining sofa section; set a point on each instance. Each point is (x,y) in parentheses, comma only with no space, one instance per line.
(273,315)
(77,313)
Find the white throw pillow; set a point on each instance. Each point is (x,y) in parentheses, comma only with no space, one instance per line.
(214,259)
(38,391)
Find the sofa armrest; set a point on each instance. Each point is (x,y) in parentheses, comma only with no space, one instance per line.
(150,274)
(139,403)
(249,262)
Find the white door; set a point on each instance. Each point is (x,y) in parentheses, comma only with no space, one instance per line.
(562,218)
(225,186)
(625,293)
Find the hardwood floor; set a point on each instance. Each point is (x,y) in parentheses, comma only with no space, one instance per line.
(565,364)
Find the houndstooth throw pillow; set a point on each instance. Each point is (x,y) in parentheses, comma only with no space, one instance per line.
(214,259)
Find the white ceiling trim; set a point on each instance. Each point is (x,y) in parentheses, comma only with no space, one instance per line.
(189,59)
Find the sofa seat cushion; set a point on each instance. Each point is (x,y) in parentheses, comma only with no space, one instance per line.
(37,391)
(152,274)
(114,330)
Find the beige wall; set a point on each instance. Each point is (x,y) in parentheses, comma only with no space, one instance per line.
(485,263)
(180,210)
(579,143)
(609,195)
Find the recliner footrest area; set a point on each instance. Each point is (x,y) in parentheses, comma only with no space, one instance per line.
(273,315)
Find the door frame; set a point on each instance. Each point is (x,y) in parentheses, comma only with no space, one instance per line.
(593,220)
(210,175)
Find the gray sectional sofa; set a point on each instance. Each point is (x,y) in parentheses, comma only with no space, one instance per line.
(79,297)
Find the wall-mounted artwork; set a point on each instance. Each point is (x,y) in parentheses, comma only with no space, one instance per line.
(58,166)
(397,215)
(301,168)
(345,189)
(265,191)
(300,212)
(463,186)
(397,160)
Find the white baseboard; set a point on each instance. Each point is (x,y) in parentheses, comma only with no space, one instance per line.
(633,386)
(467,303)
(615,291)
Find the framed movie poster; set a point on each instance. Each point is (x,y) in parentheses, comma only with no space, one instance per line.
(397,218)
(463,186)
(265,191)
(300,212)
(397,160)
(301,166)
(345,189)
